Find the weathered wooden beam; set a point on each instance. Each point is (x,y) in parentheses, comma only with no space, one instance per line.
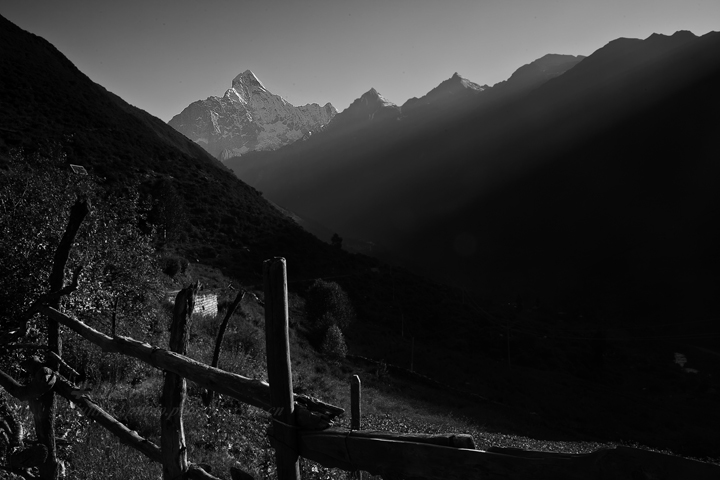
(248,390)
(277,346)
(654,465)
(402,455)
(95,413)
(253,392)
(355,397)
(172,434)
(126,436)
(628,462)
(356,412)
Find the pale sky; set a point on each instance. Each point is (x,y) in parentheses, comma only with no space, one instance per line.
(163,55)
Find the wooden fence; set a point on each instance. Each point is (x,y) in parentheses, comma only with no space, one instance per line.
(302,426)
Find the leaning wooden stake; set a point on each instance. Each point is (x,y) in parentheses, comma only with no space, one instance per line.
(355,411)
(277,344)
(172,438)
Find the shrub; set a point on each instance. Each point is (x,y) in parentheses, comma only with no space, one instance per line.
(334,343)
(172,265)
(119,268)
(326,304)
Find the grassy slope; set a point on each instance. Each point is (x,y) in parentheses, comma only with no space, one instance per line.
(231,433)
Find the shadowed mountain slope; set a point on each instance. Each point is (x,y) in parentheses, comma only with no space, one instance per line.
(605,198)
(523,193)
(365,159)
(50,107)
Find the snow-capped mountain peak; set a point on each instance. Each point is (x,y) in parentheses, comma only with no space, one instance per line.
(249,117)
(464,82)
(248,78)
(373,97)
(248,81)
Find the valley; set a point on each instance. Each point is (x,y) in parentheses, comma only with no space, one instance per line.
(523,260)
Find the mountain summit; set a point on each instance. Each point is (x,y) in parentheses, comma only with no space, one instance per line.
(248,117)
(247,78)
(371,107)
(451,93)
(246,84)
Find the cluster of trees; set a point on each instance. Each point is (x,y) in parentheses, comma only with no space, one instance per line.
(79,246)
(328,310)
(115,257)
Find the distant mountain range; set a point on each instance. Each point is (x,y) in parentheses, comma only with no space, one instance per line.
(372,125)
(50,108)
(247,118)
(583,181)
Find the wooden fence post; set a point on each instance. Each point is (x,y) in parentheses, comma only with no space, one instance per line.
(172,434)
(277,346)
(355,411)
(355,395)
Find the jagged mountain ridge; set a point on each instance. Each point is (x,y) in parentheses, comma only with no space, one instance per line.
(370,107)
(457,94)
(536,73)
(359,140)
(445,193)
(456,90)
(248,117)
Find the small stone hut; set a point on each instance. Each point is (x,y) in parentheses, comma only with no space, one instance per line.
(206,302)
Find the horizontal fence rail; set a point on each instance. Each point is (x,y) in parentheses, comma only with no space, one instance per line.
(317,414)
(437,457)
